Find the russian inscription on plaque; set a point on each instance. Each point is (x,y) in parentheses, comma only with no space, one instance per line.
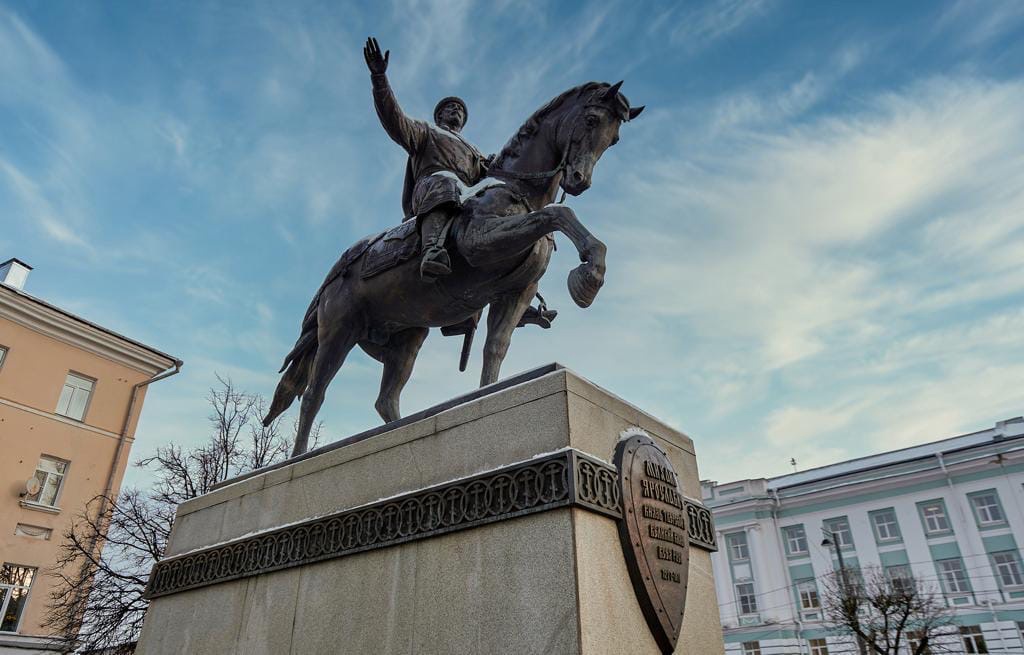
(654,533)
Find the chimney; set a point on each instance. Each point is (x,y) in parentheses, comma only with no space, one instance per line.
(14,272)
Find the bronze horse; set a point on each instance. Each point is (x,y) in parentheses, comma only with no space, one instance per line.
(502,246)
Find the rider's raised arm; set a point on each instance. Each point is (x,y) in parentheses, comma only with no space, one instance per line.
(405,131)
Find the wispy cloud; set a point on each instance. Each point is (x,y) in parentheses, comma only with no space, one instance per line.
(700,27)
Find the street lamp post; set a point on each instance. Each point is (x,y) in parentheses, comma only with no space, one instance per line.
(832,540)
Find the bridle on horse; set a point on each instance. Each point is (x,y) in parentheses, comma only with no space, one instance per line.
(560,168)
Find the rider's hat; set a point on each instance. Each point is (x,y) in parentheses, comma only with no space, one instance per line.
(445,101)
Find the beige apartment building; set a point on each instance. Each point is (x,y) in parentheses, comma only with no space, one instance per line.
(71,393)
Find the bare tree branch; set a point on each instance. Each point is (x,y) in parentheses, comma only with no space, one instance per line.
(886,614)
(105,559)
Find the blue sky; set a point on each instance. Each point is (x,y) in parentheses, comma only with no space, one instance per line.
(815,230)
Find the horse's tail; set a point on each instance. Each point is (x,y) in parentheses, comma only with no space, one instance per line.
(297,365)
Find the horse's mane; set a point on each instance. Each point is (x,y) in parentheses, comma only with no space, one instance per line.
(529,128)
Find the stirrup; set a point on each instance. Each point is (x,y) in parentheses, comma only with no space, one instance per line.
(435,263)
(536,316)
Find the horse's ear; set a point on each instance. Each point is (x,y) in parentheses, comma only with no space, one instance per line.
(635,111)
(613,91)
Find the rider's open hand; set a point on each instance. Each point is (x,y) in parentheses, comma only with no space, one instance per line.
(377,63)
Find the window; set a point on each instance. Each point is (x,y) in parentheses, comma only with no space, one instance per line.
(14,585)
(50,473)
(746,598)
(953,576)
(914,639)
(900,577)
(974,642)
(796,540)
(74,397)
(933,516)
(886,527)
(986,508)
(751,648)
(3,355)
(818,646)
(1007,567)
(807,590)
(737,543)
(840,527)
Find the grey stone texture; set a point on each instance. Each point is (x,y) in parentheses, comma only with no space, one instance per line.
(554,582)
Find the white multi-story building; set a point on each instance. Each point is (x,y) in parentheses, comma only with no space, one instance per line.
(949,512)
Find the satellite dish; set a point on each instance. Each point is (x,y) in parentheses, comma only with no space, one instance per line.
(32,487)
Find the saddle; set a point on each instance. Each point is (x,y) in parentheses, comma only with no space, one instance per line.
(397,245)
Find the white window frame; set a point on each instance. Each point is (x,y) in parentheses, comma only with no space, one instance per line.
(752,596)
(737,541)
(899,575)
(877,526)
(751,647)
(61,476)
(818,646)
(807,592)
(3,356)
(7,591)
(795,535)
(937,516)
(984,513)
(844,535)
(1007,564)
(75,386)
(960,584)
(973,639)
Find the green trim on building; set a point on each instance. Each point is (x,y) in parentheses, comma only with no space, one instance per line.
(924,524)
(898,539)
(763,635)
(947,550)
(801,572)
(894,558)
(999,543)
(899,490)
(977,518)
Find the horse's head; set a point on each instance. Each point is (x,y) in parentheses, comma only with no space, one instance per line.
(589,128)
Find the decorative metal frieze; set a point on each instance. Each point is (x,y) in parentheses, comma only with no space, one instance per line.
(558,480)
(700,526)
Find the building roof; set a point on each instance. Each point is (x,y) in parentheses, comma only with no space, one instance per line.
(151,355)
(15,259)
(1004,429)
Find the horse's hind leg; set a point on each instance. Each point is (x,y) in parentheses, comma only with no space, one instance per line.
(333,347)
(502,318)
(398,357)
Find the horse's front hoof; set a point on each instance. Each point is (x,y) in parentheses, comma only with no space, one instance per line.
(584,284)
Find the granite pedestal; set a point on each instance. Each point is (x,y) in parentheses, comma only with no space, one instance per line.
(542,575)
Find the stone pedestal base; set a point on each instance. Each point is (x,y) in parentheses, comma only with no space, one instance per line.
(483,527)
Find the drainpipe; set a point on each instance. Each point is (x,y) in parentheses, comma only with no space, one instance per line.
(1009,484)
(785,571)
(962,518)
(123,440)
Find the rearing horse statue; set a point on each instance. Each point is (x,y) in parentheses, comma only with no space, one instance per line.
(502,245)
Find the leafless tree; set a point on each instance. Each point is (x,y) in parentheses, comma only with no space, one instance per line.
(889,615)
(111,546)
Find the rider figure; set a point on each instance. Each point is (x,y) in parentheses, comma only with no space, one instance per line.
(439,158)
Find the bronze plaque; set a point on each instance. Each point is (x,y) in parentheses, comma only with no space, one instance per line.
(654,534)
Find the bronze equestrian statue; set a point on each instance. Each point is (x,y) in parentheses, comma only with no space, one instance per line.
(499,246)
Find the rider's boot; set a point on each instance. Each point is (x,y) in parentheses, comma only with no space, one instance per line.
(435,262)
